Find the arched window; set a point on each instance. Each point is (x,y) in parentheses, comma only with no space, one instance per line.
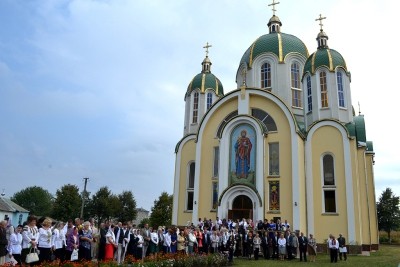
(296,89)
(266,75)
(225,121)
(324,89)
(329,187)
(339,78)
(309,94)
(209,100)
(195,107)
(190,187)
(265,118)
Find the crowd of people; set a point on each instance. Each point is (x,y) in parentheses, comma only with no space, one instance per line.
(78,240)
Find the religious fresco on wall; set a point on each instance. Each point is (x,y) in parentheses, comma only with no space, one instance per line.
(243,155)
(274,196)
(214,195)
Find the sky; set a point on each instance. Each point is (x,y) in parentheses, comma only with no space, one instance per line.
(96,88)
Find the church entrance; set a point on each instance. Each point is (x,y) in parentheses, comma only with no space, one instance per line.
(242,207)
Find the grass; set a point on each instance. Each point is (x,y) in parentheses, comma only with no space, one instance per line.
(386,256)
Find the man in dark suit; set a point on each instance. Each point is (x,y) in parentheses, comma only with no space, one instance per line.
(206,240)
(275,238)
(303,243)
(342,247)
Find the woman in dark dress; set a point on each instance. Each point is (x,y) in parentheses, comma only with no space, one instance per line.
(132,245)
(174,241)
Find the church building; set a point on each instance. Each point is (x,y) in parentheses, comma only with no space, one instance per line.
(286,144)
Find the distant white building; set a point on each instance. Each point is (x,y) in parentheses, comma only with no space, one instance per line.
(141,214)
(12,211)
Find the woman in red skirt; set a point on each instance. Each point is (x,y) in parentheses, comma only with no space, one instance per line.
(110,244)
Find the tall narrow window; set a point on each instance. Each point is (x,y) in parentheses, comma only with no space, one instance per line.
(209,100)
(274,159)
(329,188)
(266,76)
(216,161)
(329,175)
(309,94)
(190,187)
(195,107)
(324,89)
(296,89)
(340,89)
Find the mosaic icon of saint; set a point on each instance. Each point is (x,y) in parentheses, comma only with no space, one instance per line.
(242,158)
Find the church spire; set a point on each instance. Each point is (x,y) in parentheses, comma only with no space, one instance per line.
(206,62)
(322,38)
(274,23)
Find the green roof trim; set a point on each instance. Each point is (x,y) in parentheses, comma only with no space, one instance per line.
(280,44)
(351,128)
(204,81)
(180,141)
(360,128)
(370,146)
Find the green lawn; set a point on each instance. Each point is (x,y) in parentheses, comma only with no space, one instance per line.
(387,256)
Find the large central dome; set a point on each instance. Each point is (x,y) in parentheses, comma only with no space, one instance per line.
(280,44)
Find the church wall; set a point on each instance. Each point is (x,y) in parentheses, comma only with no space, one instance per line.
(188,153)
(302,189)
(356,191)
(328,223)
(372,199)
(208,142)
(283,137)
(365,238)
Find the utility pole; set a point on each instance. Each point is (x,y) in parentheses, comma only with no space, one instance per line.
(83,196)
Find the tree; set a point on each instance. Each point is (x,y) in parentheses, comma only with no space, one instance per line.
(143,222)
(35,199)
(161,212)
(388,212)
(67,204)
(128,206)
(102,204)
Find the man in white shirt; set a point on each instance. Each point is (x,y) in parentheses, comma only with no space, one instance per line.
(333,245)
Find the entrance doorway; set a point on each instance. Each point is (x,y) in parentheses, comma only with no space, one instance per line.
(242,207)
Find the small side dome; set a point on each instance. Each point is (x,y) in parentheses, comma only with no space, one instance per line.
(324,56)
(204,81)
(329,58)
(280,44)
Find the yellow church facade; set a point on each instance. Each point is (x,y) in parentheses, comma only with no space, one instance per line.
(285,144)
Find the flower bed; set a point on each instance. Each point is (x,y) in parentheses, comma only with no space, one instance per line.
(161,260)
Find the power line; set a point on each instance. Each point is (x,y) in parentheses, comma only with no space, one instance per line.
(84,196)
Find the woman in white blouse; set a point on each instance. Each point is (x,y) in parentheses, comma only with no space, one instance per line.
(15,244)
(282,247)
(58,241)
(139,248)
(45,244)
(30,236)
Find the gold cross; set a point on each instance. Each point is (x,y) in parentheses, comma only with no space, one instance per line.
(273,6)
(206,47)
(320,20)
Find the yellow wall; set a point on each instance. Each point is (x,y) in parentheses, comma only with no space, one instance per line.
(372,200)
(324,223)
(283,137)
(188,155)
(209,141)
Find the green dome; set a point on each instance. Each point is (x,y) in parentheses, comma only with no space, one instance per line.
(324,57)
(204,81)
(280,44)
